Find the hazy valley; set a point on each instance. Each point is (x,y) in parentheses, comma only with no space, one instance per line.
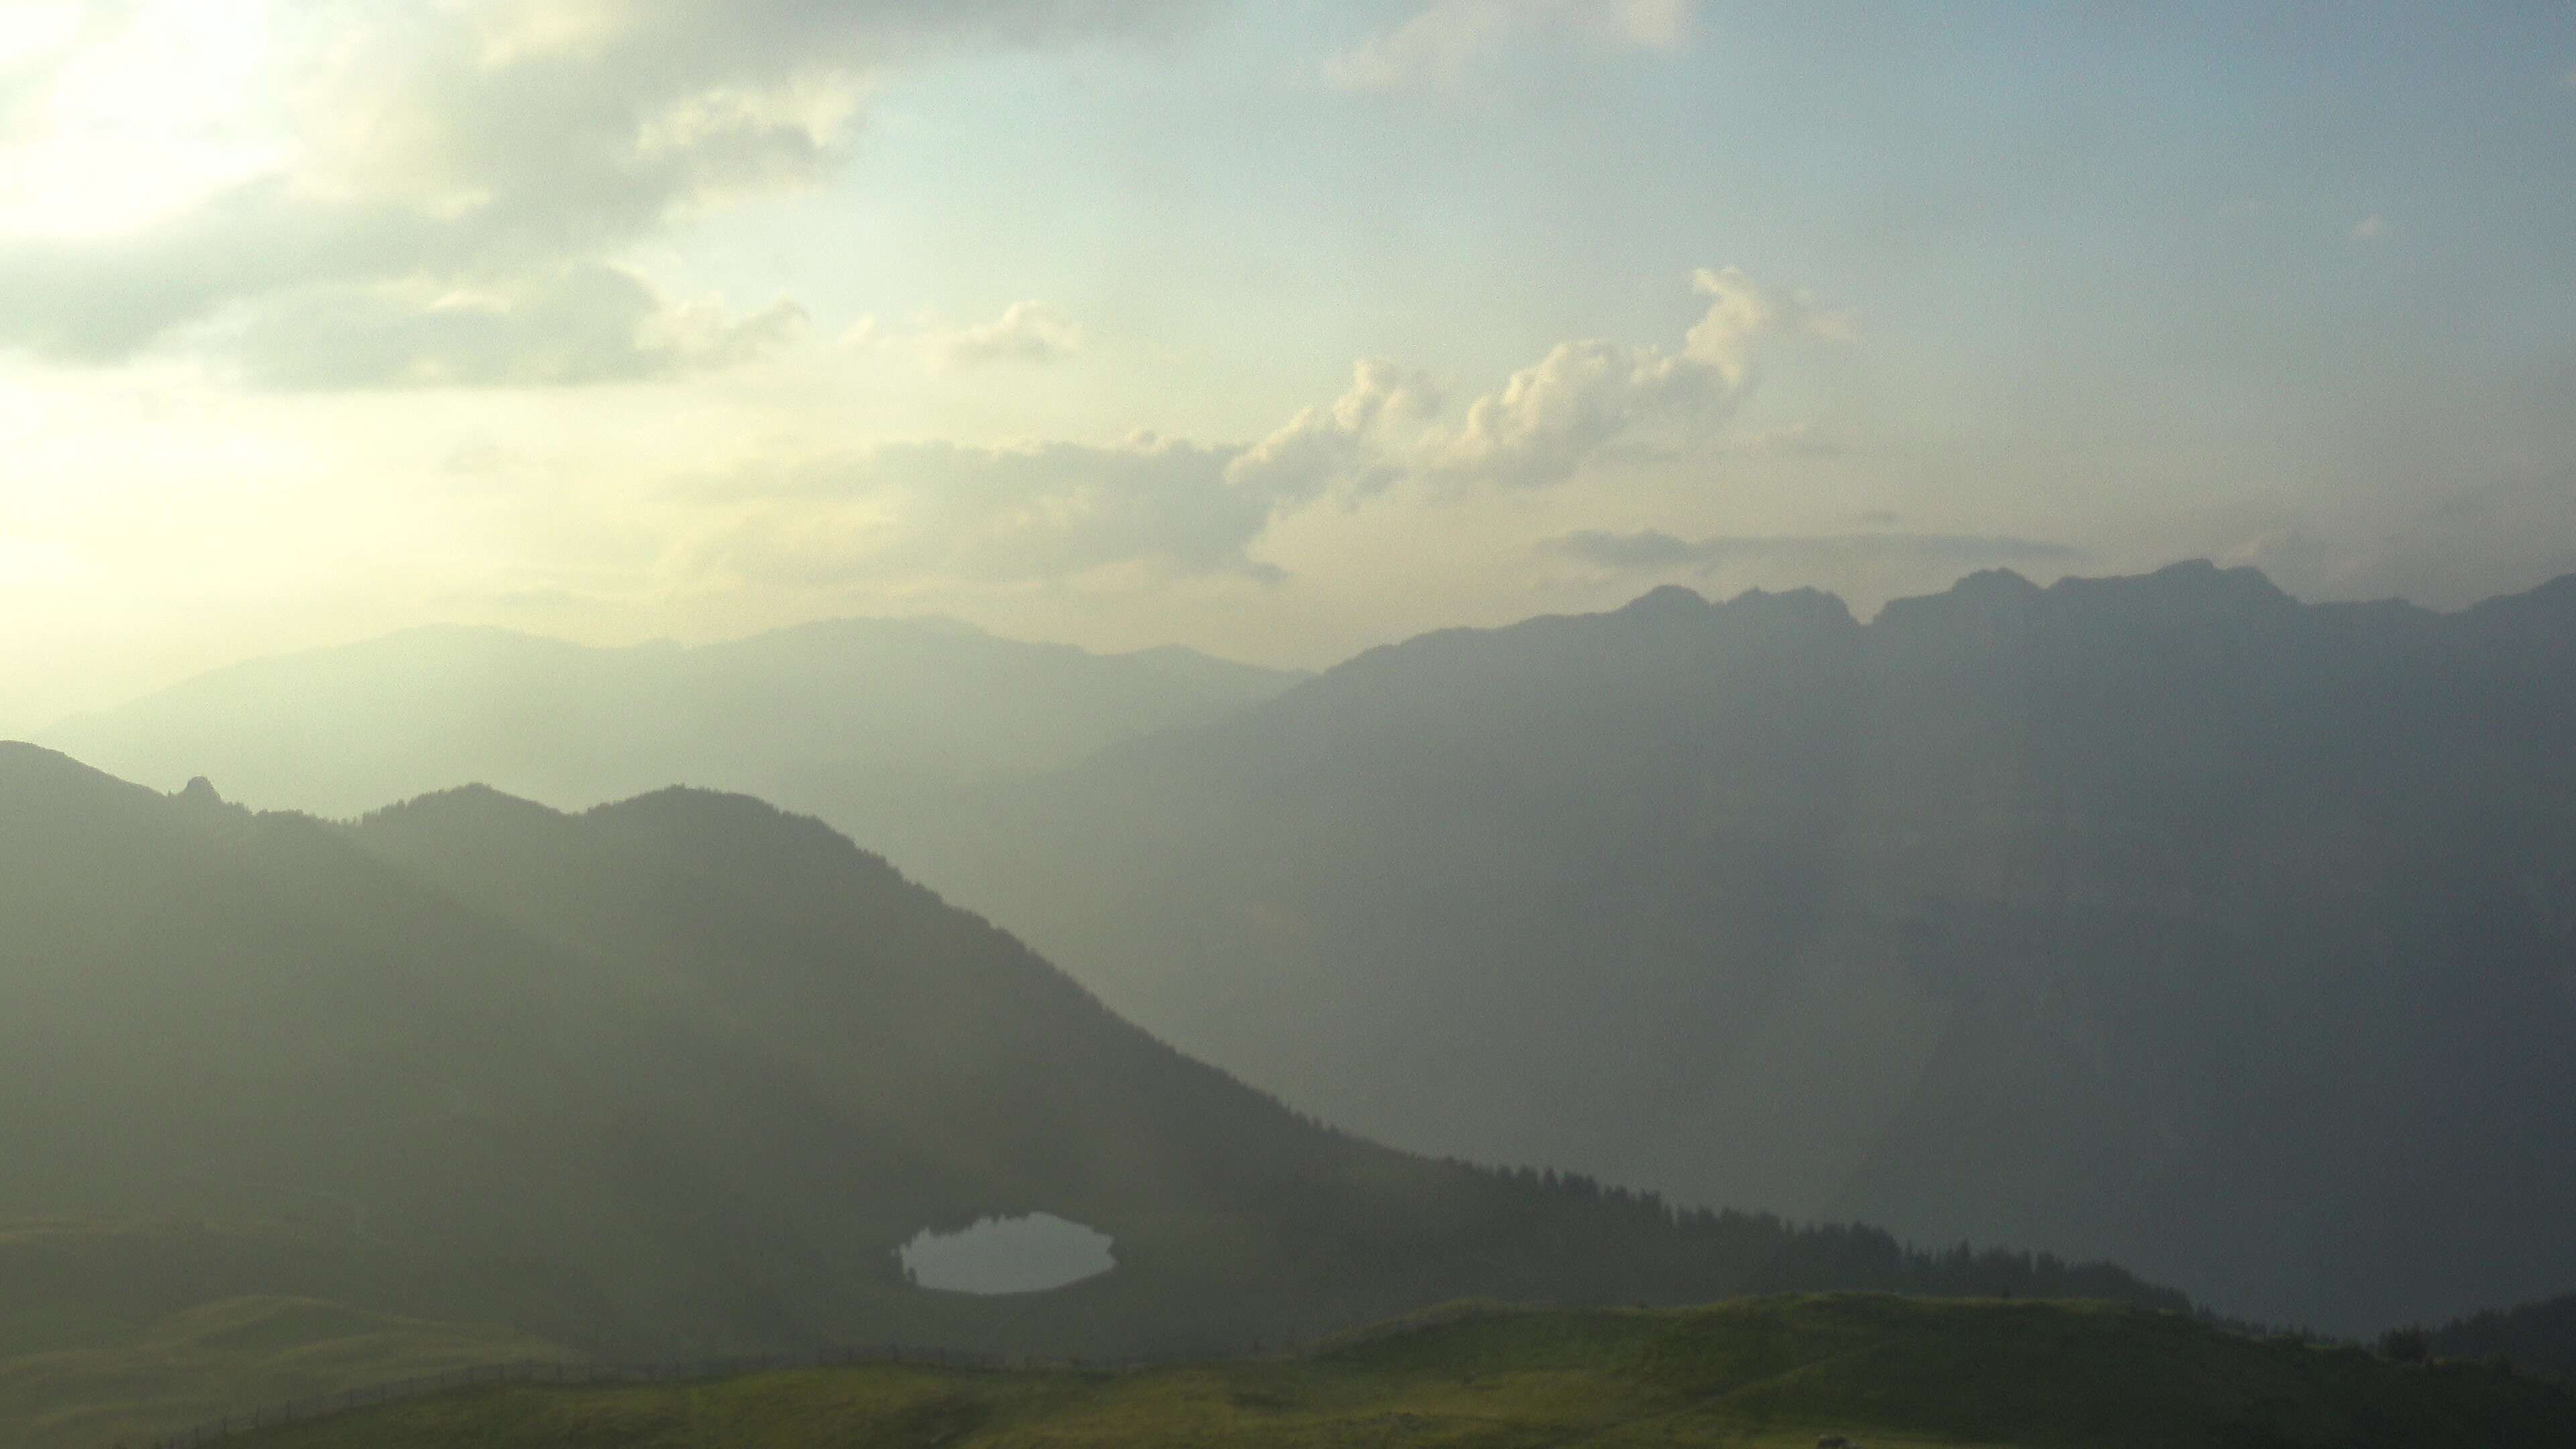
(299,1107)
(2163,919)
(1372,724)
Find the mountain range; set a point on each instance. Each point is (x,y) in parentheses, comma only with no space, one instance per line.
(677,1077)
(843,717)
(2163,919)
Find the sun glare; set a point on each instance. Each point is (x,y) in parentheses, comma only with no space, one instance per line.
(35,30)
(135,122)
(32,563)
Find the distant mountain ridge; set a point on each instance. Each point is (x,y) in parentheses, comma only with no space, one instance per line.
(834,716)
(676,1077)
(2166,918)
(2163,918)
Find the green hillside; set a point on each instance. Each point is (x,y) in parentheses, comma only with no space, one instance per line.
(231,1357)
(675,1079)
(2161,919)
(115,1331)
(1780,1371)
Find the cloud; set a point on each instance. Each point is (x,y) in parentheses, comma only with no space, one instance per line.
(1655,551)
(1005,514)
(1055,510)
(2370,228)
(1449,38)
(1586,398)
(1026,332)
(1550,420)
(2568,81)
(499,144)
(1342,448)
(582,323)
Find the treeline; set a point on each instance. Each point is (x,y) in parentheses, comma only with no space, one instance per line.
(706,1066)
(1766,1253)
(1541,1236)
(2537,1338)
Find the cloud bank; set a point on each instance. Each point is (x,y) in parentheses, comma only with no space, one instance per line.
(584,322)
(1026,332)
(1585,399)
(501,151)
(1054,510)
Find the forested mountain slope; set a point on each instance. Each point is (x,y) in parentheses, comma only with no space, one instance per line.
(2164,918)
(674,1078)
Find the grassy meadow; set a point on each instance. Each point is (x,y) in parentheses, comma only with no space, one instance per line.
(1764,1373)
(229,1357)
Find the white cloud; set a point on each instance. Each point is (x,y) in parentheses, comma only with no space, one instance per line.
(1586,398)
(1027,332)
(583,323)
(2370,228)
(1048,511)
(1450,38)
(1342,448)
(475,143)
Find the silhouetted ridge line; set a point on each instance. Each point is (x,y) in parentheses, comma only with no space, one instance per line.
(674,1078)
(2162,919)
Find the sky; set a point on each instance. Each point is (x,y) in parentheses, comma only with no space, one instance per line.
(1277,328)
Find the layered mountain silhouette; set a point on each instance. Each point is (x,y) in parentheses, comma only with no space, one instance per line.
(842,717)
(676,1077)
(2163,918)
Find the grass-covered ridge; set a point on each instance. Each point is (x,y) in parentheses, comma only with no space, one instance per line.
(1758,1372)
(226,1357)
(674,1079)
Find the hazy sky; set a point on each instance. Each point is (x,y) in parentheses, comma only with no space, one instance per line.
(1277,328)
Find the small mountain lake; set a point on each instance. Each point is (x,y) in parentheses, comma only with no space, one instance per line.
(1030,1254)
